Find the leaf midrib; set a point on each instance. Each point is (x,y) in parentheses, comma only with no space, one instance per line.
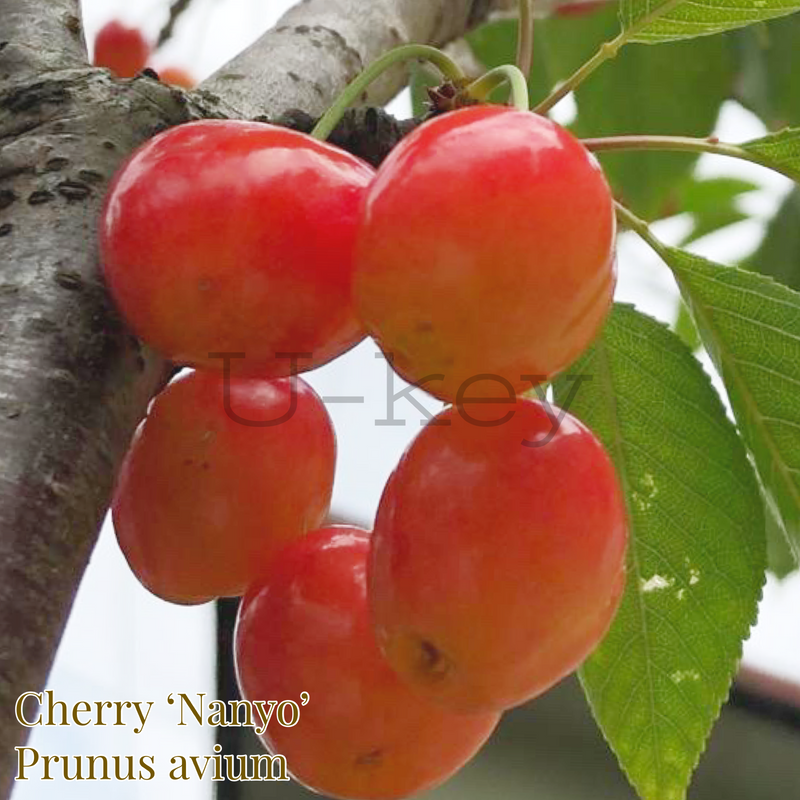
(619,450)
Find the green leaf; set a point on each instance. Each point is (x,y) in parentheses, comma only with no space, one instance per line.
(769,63)
(495,44)
(696,554)
(712,202)
(651,21)
(685,329)
(779,151)
(781,560)
(750,326)
(779,252)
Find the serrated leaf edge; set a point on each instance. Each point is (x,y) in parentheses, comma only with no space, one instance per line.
(726,363)
(623,475)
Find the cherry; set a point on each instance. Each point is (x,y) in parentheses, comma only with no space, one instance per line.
(498,555)
(208,493)
(580,9)
(121,49)
(304,627)
(486,246)
(177,77)
(230,236)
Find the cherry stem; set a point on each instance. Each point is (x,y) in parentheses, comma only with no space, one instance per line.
(628,219)
(674,143)
(607,51)
(353,91)
(481,88)
(525,37)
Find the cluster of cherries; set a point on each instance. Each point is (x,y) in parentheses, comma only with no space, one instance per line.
(480,257)
(126,51)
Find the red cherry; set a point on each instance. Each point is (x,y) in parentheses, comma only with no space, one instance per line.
(177,77)
(496,566)
(580,9)
(207,494)
(486,247)
(229,236)
(121,49)
(304,627)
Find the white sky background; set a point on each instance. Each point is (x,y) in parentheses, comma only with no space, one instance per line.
(122,643)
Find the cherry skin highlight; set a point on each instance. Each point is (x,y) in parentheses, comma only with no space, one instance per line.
(304,627)
(205,497)
(121,49)
(486,247)
(238,237)
(497,567)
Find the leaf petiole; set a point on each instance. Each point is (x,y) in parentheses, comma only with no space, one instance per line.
(607,51)
(681,144)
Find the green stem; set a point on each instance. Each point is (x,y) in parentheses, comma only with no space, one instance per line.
(607,51)
(508,73)
(353,91)
(679,143)
(685,144)
(627,218)
(525,37)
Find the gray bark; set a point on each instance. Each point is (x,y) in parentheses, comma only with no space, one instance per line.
(339,38)
(73,382)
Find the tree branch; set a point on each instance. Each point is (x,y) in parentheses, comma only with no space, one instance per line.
(319,46)
(369,132)
(38,35)
(73,382)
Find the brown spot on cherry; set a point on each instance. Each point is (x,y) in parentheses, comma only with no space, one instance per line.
(371,758)
(432,662)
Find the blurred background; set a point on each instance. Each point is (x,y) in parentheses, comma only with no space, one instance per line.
(123,644)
